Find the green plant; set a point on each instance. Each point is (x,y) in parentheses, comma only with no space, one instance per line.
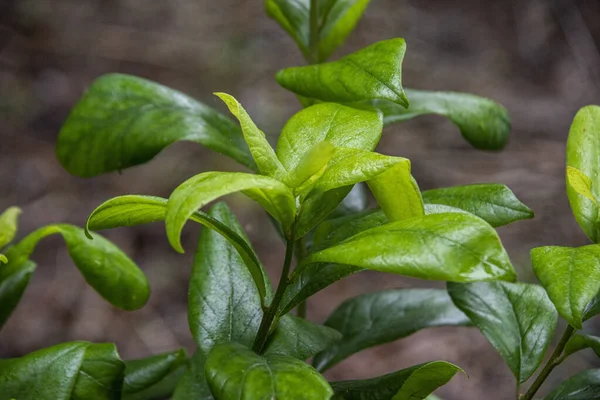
(250,345)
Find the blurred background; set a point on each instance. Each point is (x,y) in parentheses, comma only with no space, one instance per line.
(539,58)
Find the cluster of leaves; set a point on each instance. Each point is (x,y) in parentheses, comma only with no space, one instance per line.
(249,345)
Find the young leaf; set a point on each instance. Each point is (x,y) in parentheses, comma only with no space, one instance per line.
(103,265)
(13,281)
(583,386)
(484,123)
(582,154)
(414,383)
(581,341)
(275,197)
(122,121)
(75,370)
(8,225)
(517,318)
(235,371)
(571,277)
(224,303)
(261,150)
(493,202)
(155,377)
(337,18)
(381,317)
(192,384)
(374,72)
(299,338)
(451,247)
(580,183)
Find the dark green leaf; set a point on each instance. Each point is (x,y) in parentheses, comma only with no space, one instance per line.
(122,121)
(374,72)
(583,386)
(382,317)
(234,371)
(356,201)
(493,202)
(13,281)
(581,341)
(414,383)
(299,338)
(192,384)
(155,377)
(583,151)
(571,277)
(224,303)
(451,247)
(103,265)
(8,225)
(337,18)
(484,123)
(68,371)
(517,318)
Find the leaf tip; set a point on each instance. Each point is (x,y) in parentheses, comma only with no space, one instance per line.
(3,259)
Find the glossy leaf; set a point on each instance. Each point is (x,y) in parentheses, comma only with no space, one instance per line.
(484,123)
(261,150)
(122,121)
(571,277)
(234,371)
(223,302)
(299,338)
(13,281)
(583,386)
(103,265)
(580,341)
(337,18)
(8,225)
(75,370)
(374,72)
(414,383)
(450,247)
(134,210)
(192,384)
(382,317)
(517,318)
(583,151)
(275,197)
(493,202)
(155,377)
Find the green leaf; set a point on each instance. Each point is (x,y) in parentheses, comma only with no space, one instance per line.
(299,338)
(580,183)
(8,225)
(583,386)
(382,317)
(517,318)
(261,150)
(192,384)
(583,151)
(571,277)
(134,210)
(275,197)
(337,18)
(493,202)
(155,377)
(103,265)
(580,341)
(68,371)
(122,121)
(414,383)
(13,281)
(234,371)
(224,303)
(451,247)
(374,72)
(356,201)
(484,123)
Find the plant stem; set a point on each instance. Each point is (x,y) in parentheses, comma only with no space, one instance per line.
(553,361)
(313,45)
(269,316)
(300,255)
